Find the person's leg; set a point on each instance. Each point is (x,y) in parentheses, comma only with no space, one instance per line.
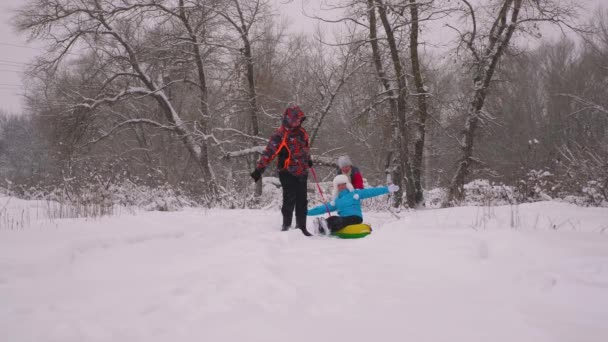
(336,223)
(289,198)
(301,201)
(348,220)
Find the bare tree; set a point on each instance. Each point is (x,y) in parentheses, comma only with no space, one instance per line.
(421,101)
(242,16)
(130,68)
(413,14)
(401,171)
(595,57)
(486,49)
(154,90)
(331,67)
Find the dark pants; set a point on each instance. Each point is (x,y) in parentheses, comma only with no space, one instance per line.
(294,195)
(335,223)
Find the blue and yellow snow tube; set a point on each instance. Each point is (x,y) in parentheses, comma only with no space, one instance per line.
(354,231)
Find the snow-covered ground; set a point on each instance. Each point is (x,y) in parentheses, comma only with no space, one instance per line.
(535,272)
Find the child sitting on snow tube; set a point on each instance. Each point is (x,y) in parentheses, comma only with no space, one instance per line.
(347,202)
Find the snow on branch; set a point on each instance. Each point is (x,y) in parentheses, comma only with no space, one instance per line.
(324,161)
(244,152)
(90,103)
(241,134)
(125,123)
(202,135)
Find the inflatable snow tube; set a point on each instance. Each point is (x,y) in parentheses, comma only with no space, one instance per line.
(354,231)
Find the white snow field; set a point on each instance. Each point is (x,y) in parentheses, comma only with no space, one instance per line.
(535,272)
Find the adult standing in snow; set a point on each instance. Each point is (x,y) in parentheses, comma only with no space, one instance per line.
(347,202)
(345,167)
(290,143)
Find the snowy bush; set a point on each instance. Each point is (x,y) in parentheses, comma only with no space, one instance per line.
(379,203)
(98,199)
(482,192)
(595,194)
(272,195)
(435,198)
(101,198)
(161,198)
(583,173)
(538,185)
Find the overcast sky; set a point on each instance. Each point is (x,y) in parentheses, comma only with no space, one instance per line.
(16,53)
(13,57)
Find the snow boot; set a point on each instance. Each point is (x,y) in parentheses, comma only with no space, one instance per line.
(316,226)
(304,231)
(322,226)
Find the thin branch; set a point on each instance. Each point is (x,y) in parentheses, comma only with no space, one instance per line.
(588,103)
(129,122)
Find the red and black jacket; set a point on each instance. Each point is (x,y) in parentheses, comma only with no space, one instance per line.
(290,143)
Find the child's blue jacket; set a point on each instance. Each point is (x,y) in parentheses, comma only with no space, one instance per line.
(348,202)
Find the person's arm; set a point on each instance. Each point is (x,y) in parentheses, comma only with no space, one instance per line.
(357,180)
(308,157)
(274,143)
(372,192)
(321,209)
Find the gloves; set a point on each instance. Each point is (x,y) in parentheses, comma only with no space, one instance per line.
(309,162)
(256,175)
(393,187)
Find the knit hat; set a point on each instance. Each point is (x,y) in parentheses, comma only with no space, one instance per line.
(344,161)
(341,179)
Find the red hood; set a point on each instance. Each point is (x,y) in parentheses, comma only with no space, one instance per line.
(293,117)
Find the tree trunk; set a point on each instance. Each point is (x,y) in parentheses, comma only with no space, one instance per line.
(252,96)
(421,110)
(373,39)
(252,99)
(404,170)
(203,157)
(499,38)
